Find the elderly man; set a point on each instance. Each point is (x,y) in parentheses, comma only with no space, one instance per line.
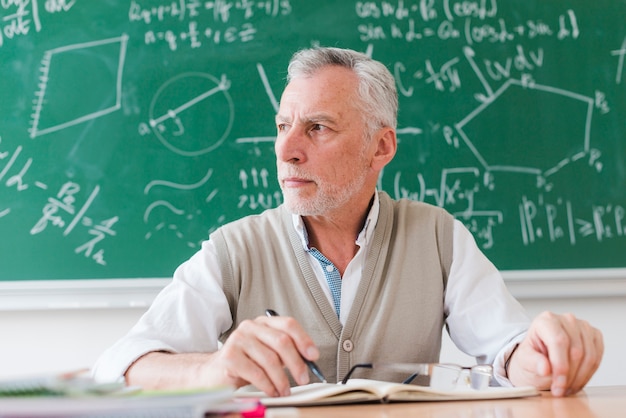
(356,276)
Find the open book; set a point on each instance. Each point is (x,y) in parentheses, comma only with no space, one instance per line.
(366,390)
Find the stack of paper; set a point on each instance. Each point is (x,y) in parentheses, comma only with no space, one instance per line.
(73,395)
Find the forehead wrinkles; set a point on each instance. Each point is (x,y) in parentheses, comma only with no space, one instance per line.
(329,111)
(328,88)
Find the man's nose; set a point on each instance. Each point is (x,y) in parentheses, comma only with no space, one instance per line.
(289,145)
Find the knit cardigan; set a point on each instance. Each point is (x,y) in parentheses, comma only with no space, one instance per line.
(398,312)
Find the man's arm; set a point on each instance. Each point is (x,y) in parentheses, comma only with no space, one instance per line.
(484,320)
(257,353)
(560,353)
(188,316)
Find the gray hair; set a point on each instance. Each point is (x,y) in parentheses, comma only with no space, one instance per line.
(377,87)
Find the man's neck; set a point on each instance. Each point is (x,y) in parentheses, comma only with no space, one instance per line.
(335,235)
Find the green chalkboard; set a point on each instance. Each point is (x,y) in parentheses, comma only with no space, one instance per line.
(130,130)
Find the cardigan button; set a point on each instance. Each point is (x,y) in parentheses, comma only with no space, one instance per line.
(348,345)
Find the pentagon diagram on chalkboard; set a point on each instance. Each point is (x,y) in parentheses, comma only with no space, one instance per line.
(526,141)
(78,83)
(192,113)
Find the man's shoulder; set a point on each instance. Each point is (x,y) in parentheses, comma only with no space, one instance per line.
(269,218)
(414,207)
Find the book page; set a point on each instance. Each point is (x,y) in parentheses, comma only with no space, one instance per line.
(366,390)
(320,394)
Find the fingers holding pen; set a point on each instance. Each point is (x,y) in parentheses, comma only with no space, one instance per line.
(247,360)
(305,345)
(293,344)
(259,350)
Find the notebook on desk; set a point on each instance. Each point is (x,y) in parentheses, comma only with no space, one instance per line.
(366,390)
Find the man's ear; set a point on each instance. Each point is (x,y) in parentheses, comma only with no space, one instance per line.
(386,146)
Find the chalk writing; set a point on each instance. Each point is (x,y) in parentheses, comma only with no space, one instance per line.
(558,219)
(13,175)
(252,200)
(100,232)
(456,192)
(194,35)
(148,124)
(18,17)
(218,10)
(16,179)
(481,224)
(450,20)
(191,12)
(63,206)
(620,54)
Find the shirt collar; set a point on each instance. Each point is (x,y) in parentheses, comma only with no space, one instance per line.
(362,239)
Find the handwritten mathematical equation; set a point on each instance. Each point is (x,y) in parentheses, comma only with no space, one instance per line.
(220,10)
(19,17)
(540,219)
(558,219)
(193,36)
(456,192)
(451,20)
(64,204)
(447,76)
(14,168)
(180,24)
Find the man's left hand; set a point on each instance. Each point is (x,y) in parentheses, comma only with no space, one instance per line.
(560,353)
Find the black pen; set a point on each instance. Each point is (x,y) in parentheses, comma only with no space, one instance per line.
(312,366)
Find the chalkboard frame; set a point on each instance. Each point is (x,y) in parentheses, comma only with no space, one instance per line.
(139,293)
(86,292)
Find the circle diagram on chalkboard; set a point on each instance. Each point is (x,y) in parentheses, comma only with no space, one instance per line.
(192,114)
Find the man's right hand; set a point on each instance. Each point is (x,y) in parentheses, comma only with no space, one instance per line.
(257,353)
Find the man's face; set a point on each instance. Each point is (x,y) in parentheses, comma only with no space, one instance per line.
(321,149)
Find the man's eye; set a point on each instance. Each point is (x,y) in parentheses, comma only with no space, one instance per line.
(281,127)
(317,127)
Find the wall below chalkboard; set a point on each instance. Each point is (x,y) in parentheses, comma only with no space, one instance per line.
(128,132)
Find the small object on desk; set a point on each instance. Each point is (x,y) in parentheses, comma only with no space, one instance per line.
(257,412)
(240,407)
(312,366)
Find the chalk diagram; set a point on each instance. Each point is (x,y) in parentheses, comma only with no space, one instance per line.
(541,158)
(76,83)
(187,113)
(166,208)
(526,147)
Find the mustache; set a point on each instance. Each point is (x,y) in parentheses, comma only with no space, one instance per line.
(294,172)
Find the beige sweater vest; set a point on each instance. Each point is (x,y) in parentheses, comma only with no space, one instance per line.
(397,315)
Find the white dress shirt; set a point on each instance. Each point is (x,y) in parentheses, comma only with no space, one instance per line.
(191,312)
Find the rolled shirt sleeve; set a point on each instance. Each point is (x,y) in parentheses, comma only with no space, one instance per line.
(484,320)
(188,315)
